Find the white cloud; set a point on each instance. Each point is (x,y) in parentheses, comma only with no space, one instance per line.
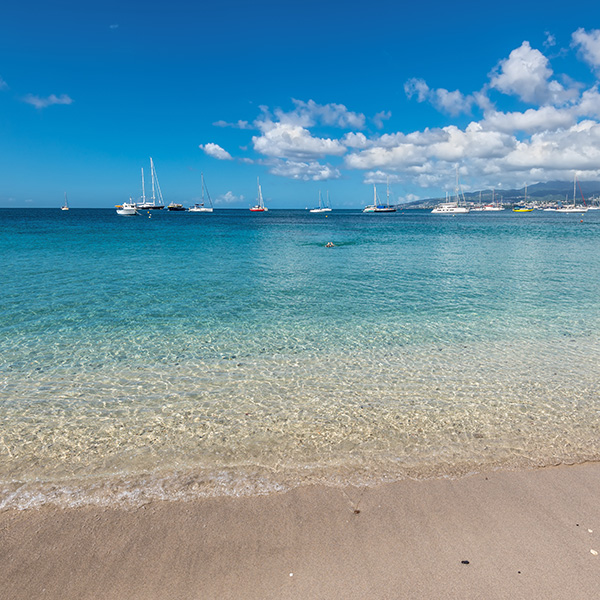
(417,87)
(589,45)
(452,103)
(306,171)
(381,177)
(228,198)
(308,114)
(526,73)
(589,103)
(550,40)
(114,26)
(356,140)
(286,140)
(3,84)
(215,151)
(576,148)
(39,102)
(531,121)
(238,125)
(380,117)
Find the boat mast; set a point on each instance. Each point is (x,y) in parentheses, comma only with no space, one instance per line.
(456,189)
(152,177)
(143,188)
(260,198)
(202,177)
(574,184)
(388,191)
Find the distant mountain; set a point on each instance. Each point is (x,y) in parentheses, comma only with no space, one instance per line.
(550,191)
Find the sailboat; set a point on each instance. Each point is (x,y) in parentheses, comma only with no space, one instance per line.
(452,208)
(377,207)
(65,206)
(156,202)
(260,205)
(322,207)
(200,207)
(573,208)
(493,205)
(523,208)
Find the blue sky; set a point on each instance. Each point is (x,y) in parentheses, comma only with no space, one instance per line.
(307,96)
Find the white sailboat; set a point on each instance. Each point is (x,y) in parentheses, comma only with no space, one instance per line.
(65,206)
(322,207)
(156,202)
(260,205)
(452,208)
(200,207)
(573,208)
(377,207)
(493,205)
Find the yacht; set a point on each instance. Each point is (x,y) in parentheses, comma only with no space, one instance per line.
(156,202)
(322,207)
(452,208)
(127,209)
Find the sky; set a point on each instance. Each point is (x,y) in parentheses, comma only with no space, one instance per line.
(307,96)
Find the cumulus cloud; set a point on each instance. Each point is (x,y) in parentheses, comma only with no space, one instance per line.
(308,114)
(526,74)
(40,102)
(589,46)
(452,103)
(576,148)
(531,121)
(381,177)
(229,198)
(215,151)
(287,140)
(306,171)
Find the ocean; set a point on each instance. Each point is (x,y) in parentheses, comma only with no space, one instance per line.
(182,355)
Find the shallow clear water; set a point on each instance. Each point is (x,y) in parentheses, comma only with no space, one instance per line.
(188,354)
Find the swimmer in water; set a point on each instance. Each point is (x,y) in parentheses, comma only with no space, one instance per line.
(329,245)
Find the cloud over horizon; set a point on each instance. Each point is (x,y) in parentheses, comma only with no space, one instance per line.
(556,131)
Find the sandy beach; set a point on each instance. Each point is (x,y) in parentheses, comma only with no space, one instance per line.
(531,534)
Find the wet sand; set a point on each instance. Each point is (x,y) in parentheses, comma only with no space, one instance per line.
(530,534)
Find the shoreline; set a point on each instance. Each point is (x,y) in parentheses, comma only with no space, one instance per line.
(525,534)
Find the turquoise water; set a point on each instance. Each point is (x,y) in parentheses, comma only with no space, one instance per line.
(182,355)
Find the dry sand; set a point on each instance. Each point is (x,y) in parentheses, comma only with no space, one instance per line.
(524,534)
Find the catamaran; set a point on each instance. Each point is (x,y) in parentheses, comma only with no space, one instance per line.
(200,206)
(322,207)
(65,206)
(156,202)
(260,205)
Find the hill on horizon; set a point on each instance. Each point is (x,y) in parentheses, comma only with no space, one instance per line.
(549,191)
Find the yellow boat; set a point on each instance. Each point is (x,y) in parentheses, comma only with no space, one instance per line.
(522,209)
